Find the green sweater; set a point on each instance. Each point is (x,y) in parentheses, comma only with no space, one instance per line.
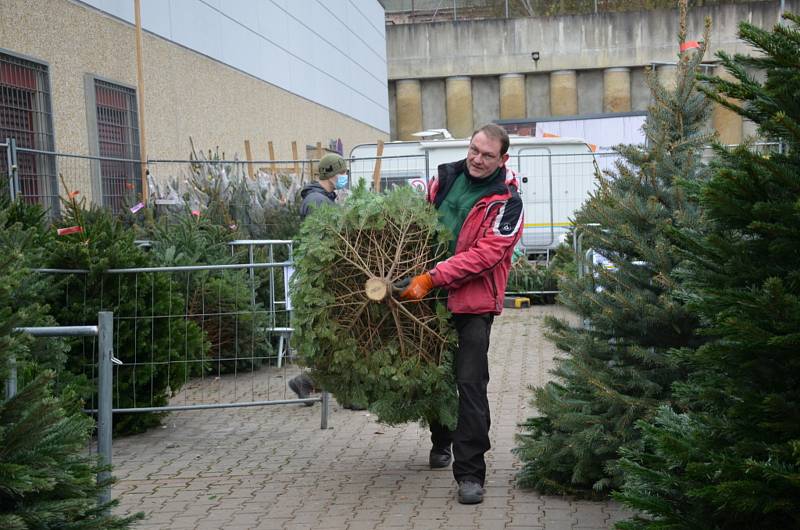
(455,207)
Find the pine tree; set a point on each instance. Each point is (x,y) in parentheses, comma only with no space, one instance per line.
(158,354)
(729,456)
(392,355)
(220,302)
(47,480)
(619,367)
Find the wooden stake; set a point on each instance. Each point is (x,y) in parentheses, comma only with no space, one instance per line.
(140,90)
(296,164)
(249,155)
(272,157)
(376,174)
(319,155)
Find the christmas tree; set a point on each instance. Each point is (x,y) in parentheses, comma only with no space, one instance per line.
(47,479)
(728,456)
(618,366)
(146,343)
(362,343)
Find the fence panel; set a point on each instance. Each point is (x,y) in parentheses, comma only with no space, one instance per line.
(47,177)
(394,171)
(194,337)
(5,168)
(255,193)
(104,332)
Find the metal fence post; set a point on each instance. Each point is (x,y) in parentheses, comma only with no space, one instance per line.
(11,382)
(11,161)
(105,331)
(326,399)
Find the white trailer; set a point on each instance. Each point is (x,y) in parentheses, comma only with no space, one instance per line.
(556,175)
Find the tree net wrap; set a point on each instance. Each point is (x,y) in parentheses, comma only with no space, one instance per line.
(362,343)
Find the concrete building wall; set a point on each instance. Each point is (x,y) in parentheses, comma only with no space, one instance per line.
(537,94)
(640,92)
(572,65)
(332,52)
(493,47)
(485,100)
(187,94)
(433,104)
(590,99)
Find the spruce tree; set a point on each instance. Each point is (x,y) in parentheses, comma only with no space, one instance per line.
(47,478)
(617,367)
(158,354)
(728,456)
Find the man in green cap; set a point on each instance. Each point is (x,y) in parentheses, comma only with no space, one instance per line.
(332,176)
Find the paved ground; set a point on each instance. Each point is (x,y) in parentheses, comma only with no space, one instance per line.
(273,468)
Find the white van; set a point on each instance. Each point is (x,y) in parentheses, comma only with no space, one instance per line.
(555,175)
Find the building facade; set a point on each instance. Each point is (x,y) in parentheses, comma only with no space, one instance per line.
(219,72)
(458,74)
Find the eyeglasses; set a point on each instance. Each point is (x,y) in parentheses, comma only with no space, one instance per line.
(489,157)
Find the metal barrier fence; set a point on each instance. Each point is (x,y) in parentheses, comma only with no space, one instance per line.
(44,177)
(425,11)
(394,171)
(258,195)
(104,332)
(194,337)
(553,186)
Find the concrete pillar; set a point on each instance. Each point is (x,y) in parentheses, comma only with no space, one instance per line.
(458,92)
(617,90)
(512,96)
(409,108)
(563,93)
(727,123)
(667,75)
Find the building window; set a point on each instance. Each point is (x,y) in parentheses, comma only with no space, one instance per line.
(26,116)
(118,139)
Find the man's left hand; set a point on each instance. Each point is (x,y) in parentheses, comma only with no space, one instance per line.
(418,287)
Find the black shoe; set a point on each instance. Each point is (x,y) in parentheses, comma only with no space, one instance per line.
(470,492)
(440,457)
(302,386)
(353,406)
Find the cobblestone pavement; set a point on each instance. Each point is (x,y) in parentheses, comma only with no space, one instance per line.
(274,468)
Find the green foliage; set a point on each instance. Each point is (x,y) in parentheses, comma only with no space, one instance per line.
(731,459)
(526,277)
(257,206)
(22,237)
(397,388)
(220,302)
(619,366)
(144,340)
(47,479)
(549,8)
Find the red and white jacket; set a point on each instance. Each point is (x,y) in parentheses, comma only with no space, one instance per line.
(476,275)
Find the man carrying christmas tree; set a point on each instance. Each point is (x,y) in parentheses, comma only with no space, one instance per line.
(477,200)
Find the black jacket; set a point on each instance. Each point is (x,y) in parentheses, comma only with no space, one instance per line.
(313,195)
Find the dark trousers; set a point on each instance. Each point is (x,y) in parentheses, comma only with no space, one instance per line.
(470,440)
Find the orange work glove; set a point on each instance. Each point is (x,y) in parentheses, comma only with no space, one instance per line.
(418,288)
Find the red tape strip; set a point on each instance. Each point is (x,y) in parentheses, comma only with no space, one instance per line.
(69,230)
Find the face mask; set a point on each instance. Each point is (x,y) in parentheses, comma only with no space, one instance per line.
(341,182)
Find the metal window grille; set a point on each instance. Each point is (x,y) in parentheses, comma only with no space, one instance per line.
(118,138)
(26,116)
